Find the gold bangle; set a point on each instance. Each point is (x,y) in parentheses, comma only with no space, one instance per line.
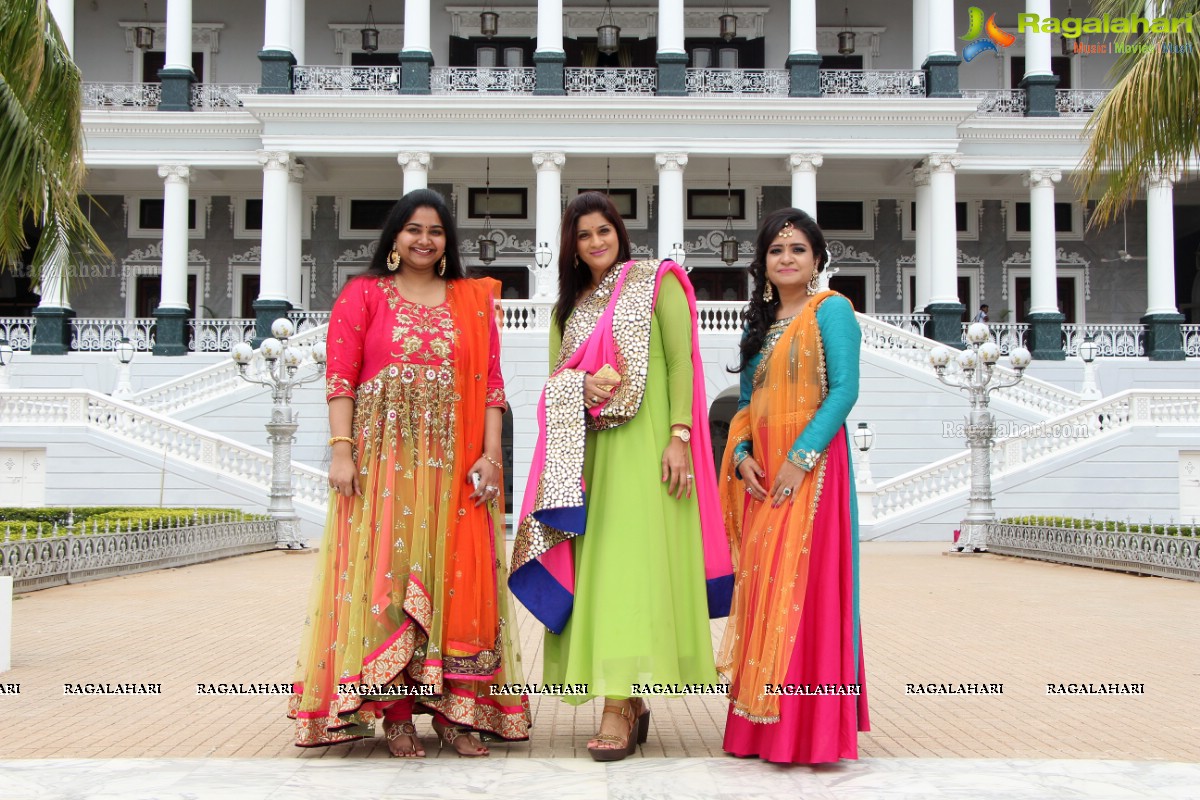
(493,462)
(335,439)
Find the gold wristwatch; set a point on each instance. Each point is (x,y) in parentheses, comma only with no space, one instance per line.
(682,433)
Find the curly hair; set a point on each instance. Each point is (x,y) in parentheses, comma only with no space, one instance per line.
(759,314)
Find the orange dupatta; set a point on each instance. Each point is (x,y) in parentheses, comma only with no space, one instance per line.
(770,546)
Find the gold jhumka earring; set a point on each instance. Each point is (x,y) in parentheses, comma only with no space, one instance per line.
(768,292)
(442,267)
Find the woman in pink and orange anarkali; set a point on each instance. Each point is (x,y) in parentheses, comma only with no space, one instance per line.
(792,648)
(408,611)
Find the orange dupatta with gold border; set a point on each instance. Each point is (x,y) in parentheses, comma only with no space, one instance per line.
(770,546)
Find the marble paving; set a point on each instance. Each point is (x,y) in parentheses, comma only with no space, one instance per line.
(581,779)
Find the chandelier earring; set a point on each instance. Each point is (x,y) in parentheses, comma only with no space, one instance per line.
(393,261)
(442,267)
(768,292)
(814,283)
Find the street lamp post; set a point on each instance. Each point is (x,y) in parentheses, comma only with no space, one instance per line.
(1087,354)
(281,365)
(864,439)
(125,351)
(979,379)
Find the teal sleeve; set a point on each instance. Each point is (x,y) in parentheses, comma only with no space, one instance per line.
(674,321)
(745,389)
(842,339)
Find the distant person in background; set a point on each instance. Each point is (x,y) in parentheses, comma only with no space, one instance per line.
(982,316)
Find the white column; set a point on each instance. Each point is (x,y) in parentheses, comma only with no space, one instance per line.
(416,25)
(416,170)
(924,237)
(1037,45)
(278,27)
(920,25)
(802,27)
(295,228)
(179,36)
(549,191)
(1160,243)
(550,26)
(273,274)
(941,28)
(670,200)
(670,26)
(943,245)
(803,167)
(175,235)
(63,12)
(297,32)
(1043,266)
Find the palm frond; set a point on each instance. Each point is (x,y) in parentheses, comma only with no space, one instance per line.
(1151,118)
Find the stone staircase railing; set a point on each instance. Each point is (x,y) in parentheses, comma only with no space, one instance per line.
(159,434)
(1041,441)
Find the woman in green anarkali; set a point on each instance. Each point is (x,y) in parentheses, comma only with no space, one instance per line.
(624,456)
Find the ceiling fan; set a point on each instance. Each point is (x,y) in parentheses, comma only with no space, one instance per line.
(1123,254)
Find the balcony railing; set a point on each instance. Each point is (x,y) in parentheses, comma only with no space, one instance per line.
(218,96)
(1191,340)
(218,335)
(483,80)
(135,96)
(1006,335)
(345,80)
(593,81)
(1010,102)
(1111,340)
(872,83)
(102,334)
(18,331)
(737,82)
(913,323)
(1075,102)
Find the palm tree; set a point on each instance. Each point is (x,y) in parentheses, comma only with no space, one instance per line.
(1151,118)
(41,143)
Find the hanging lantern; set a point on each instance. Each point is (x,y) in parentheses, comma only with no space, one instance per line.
(1067,44)
(487,245)
(846,36)
(728,22)
(729,244)
(608,34)
(143,35)
(370,34)
(489,22)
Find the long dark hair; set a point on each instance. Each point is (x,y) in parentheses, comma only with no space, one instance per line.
(399,216)
(759,314)
(573,274)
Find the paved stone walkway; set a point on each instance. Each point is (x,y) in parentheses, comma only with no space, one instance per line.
(928,619)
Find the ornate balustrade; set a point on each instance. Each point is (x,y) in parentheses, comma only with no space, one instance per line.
(592,81)
(42,558)
(308,320)
(1111,340)
(499,80)
(872,83)
(217,96)
(91,334)
(1006,335)
(218,335)
(1191,340)
(162,435)
(136,96)
(913,323)
(1125,551)
(18,331)
(737,82)
(1075,102)
(1011,102)
(345,80)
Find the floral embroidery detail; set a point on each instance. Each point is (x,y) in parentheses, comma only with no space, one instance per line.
(804,459)
(496,397)
(337,386)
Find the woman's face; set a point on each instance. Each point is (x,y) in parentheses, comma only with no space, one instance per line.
(790,259)
(596,241)
(421,242)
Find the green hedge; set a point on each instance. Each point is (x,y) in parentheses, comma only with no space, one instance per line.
(1120,526)
(97,518)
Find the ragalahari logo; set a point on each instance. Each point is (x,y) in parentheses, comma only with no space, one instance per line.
(984,37)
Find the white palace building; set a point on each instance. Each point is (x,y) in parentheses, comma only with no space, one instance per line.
(241,155)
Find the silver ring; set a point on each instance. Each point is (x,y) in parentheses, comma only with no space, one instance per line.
(493,488)
(690,476)
(787,492)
